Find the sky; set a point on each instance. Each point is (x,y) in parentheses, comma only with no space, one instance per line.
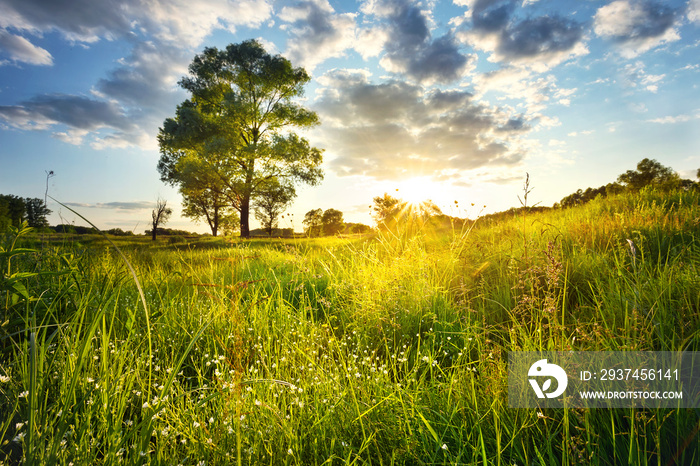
(443,100)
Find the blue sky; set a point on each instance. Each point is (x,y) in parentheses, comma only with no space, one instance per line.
(447,100)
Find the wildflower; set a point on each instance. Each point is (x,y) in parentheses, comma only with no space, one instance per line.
(196,424)
(4,379)
(290,452)
(444,446)
(24,394)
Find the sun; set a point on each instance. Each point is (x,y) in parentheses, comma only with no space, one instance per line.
(416,190)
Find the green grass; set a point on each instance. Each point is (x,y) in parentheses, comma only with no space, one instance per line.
(379,350)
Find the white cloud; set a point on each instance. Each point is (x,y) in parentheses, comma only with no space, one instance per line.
(74,137)
(535,90)
(636,77)
(318,33)
(672,120)
(21,50)
(130,102)
(177,21)
(411,49)
(397,129)
(539,43)
(694,11)
(636,26)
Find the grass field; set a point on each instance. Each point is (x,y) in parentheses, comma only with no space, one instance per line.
(390,349)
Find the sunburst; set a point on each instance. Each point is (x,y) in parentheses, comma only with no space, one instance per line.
(416,190)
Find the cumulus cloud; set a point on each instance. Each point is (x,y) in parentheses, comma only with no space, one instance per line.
(636,26)
(694,11)
(168,20)
(175,21)
(397,129)
(79,20)
(318,33)
(80,114)
(148,77)
(636,77)
(537,42)
(535,90)
(20,50)
(131,100)
(411,49)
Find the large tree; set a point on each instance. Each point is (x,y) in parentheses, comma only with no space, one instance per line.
(237,125)
(332,222)
(36,212)
(648,171)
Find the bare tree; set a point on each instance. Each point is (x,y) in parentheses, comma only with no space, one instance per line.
(160,216)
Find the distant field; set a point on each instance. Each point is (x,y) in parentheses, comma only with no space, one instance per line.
(383,349)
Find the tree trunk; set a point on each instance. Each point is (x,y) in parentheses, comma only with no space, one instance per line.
(215,225)
(245,213)
(245,202)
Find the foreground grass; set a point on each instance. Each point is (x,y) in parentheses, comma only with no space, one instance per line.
(386,350)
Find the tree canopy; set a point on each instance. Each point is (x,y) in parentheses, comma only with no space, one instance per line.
(234,132)
(272,200)
(313,222)
(332,221)
(648,172)
(14,210)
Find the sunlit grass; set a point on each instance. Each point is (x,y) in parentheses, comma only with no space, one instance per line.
(385,349)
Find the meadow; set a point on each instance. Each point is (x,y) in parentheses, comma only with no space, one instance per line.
(383,349)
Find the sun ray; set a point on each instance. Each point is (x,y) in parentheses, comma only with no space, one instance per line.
(416,190)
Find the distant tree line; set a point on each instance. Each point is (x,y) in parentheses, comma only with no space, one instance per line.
(649,172)
(318,222)
(170,232)
(14,210)
(276,232)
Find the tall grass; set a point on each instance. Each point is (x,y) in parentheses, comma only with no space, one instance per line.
(383,350)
